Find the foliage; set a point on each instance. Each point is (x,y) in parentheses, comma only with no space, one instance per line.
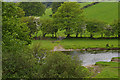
(48,13)
(37,52)
(10,10)
(55,6)
(108,30)
(32,23)
(33,8)
(47,26)
(115,27)
(14,32)
(94,26)
(47,4)
(79,27)
(59,65)
(61,33)
(18,64)
(67,15)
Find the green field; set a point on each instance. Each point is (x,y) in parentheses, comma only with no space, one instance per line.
(104,11)
(88,43)
(109,70)
(76,43)
(44,44)
(84,4)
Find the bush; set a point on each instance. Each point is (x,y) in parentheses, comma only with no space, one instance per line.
(18,64)
(59,65)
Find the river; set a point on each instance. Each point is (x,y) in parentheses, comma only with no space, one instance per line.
(91,57)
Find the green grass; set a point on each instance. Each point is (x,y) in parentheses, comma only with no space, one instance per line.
(104,11)
(44,44)
(109,70)
(116,58)
(88,43)
(76,43)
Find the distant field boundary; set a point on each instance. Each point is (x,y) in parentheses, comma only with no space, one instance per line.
(88,5)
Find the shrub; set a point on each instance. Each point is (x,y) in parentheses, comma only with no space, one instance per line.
(59,65)
(19,64)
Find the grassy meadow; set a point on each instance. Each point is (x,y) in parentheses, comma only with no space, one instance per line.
(104,11)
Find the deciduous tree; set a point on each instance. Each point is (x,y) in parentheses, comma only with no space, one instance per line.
(67,15)
(93,26)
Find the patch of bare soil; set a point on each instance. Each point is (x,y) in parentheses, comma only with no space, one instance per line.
(58,48)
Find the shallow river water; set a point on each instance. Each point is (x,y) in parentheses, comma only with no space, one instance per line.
(90,58)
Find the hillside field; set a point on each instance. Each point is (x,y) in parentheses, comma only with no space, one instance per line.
(104,11)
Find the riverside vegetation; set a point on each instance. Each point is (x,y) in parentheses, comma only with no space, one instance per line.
(30,31)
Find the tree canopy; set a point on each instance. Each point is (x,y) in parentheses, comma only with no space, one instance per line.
(33,8)
(59,65)
(14,32)
(67,15)
(55,6)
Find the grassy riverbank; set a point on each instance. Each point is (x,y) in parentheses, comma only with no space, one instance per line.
(76,43)
(88,43)
(108,70)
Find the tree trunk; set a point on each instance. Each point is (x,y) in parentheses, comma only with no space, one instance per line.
(76,34)
(68,30)
(68,35)
(44,34)
(91,35)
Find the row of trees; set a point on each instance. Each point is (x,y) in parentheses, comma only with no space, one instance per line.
(69,17)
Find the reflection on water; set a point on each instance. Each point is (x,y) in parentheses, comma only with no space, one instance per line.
(90,58)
